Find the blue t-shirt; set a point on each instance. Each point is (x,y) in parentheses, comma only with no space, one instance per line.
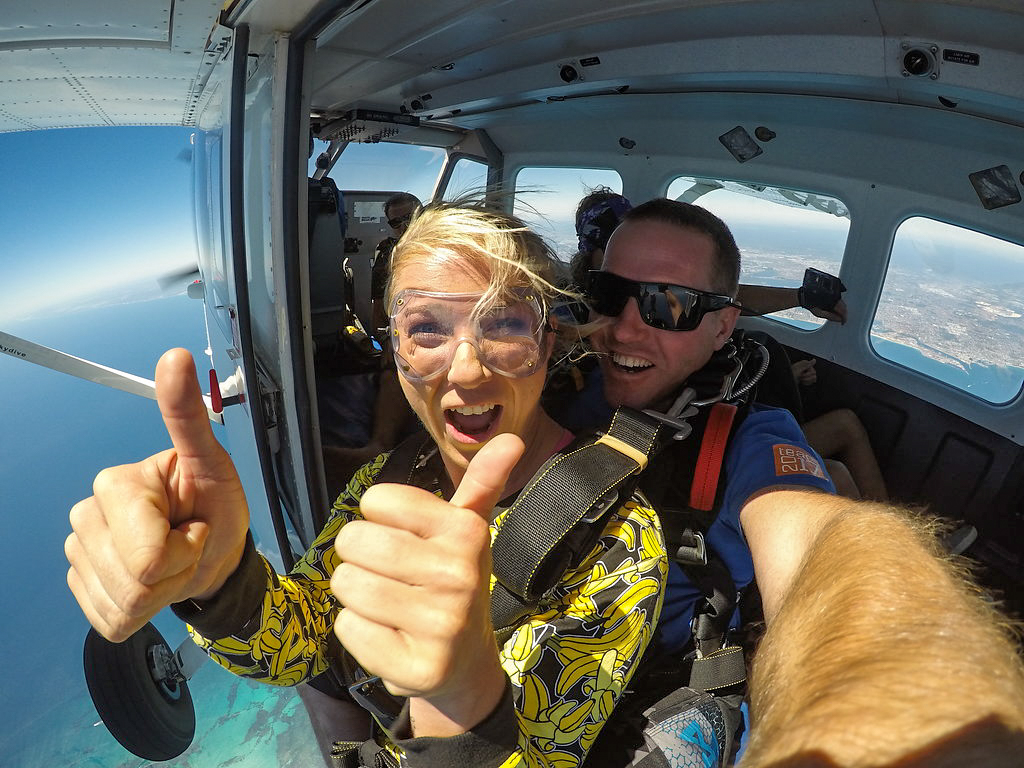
(768,449)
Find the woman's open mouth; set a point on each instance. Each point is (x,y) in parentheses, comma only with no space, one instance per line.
(472,423)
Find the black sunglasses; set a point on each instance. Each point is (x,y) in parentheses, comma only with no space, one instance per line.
(663,306)
(398,221)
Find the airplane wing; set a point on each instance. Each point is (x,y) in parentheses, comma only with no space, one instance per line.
(787,197)
(128,62)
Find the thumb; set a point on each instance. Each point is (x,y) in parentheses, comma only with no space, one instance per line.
(183,410)
(483,485)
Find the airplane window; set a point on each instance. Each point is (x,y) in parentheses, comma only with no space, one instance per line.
(546,200)
(386,166)
(780,232)
(468,176)
(951,308)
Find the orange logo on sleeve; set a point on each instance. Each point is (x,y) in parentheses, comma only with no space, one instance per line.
(791,460)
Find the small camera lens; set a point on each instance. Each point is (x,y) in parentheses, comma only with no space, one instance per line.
(917,62)
(568,73)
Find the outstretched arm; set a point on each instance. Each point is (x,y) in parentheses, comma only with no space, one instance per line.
(879,651)
(765,299)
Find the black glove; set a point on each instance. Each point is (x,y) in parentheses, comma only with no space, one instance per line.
(820,290)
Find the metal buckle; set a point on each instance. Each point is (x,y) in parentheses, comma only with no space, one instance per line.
(677,415)
(728,381)
(601,506)
(371,695)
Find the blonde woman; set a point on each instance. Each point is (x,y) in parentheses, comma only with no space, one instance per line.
(401,573)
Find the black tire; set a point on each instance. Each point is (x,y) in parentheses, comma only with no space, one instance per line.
(151,719)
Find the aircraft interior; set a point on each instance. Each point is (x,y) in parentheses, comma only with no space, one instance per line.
(833,106)
(881,141)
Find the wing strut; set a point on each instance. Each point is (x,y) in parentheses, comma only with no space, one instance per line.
(86,369)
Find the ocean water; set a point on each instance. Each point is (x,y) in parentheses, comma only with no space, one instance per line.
(239,723)
(996,384)
(56,432)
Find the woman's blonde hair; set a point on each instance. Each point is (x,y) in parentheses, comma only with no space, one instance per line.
(496,245)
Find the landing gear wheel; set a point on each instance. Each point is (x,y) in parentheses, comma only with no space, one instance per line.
(140,694)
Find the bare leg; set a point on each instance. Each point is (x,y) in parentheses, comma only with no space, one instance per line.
(842,479)
(839,434)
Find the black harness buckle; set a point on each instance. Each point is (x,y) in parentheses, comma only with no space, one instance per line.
(692,550)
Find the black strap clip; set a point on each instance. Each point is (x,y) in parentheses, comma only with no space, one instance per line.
(692,550)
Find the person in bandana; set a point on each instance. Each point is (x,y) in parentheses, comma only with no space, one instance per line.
(597,216)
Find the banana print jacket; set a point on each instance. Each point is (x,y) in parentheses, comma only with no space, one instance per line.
(567,665)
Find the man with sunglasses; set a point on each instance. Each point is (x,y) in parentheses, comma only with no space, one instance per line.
(830,570)
(664,302)
(370,399)
(601,211)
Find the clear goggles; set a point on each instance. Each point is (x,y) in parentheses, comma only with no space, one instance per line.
(427,328)
(663,306)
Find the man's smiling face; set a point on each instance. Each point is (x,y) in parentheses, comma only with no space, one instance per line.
(644,366)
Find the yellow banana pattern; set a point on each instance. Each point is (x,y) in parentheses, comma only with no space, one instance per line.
(568,664)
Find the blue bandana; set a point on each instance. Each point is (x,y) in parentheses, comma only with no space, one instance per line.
(599,221)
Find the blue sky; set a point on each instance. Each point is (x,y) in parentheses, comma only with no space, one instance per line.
(84,214)
(86,211)
(90,218)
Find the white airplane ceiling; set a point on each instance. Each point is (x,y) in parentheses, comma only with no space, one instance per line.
(103,62)
(70,63)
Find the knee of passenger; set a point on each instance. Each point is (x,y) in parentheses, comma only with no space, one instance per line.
(850,422)
(842,479)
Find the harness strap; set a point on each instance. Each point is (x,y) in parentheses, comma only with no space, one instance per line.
(555,521)
(404,463)
(720,669)
(345,754)
(716,665)
(712,454)
(405,459)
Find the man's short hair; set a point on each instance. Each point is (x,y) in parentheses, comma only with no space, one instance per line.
(401,198)
(688,215)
